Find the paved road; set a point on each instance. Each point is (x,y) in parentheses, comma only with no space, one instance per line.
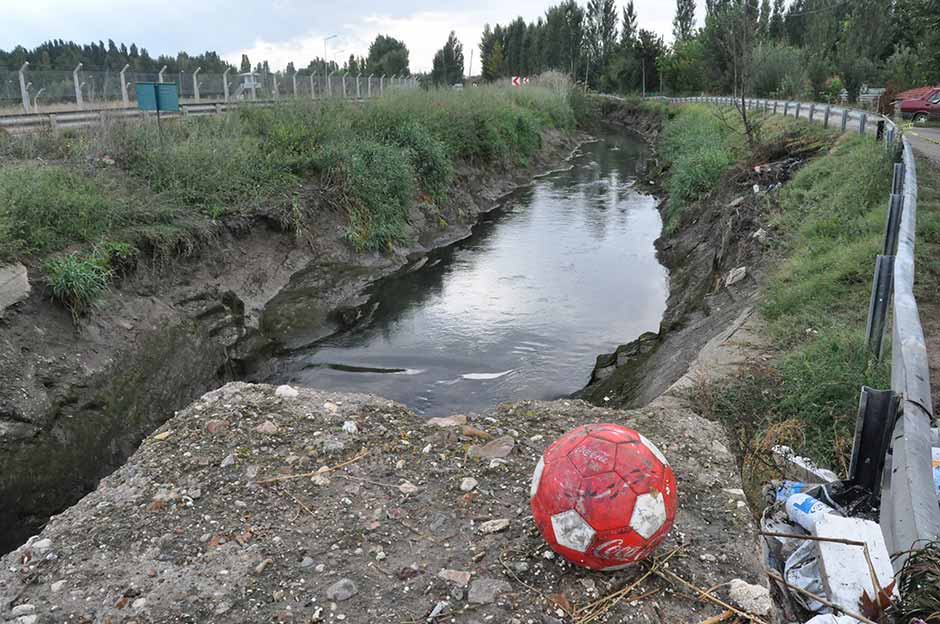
(926,141)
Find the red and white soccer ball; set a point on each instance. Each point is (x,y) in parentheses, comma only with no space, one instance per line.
(603,496)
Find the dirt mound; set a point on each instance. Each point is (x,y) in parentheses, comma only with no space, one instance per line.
(230,513)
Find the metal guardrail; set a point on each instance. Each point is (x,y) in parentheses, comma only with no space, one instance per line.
(909,513)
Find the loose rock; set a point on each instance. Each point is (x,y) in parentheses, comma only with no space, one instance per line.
(267,427)
(498,448)
(494,526)
(484,591)
(752,598)
(468,484)
(451,421)
(458,577)
(341,590)
(23,609)
(286,392)
(735,276)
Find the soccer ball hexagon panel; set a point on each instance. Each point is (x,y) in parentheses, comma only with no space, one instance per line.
(603,496)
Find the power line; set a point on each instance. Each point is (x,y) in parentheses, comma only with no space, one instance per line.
(821,10)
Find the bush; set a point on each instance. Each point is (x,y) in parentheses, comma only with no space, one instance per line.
(699,148)
(77,282)
(44,208)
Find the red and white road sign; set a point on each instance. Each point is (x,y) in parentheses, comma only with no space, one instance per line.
(515,81)
(525,80)
(518,81)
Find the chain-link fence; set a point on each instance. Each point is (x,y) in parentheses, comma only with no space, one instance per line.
(30,90)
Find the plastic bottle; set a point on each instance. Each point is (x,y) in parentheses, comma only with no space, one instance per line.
(806,510)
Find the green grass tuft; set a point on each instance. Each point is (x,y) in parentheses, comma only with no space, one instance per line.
(77,282)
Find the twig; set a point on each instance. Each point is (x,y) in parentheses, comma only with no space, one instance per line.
(314,472)
(513,574)
(776,577)
(296,500)
(704,594)
(603,605)
(721,617)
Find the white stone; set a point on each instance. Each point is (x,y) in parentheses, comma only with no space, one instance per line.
(537,477)
(41,545)
(649,514)
(23,609)
(468,484)
(27,619)
(139,604)
(57,586)
(350,426)
(494,526)
(286,392)
(571,531)
(14,285)
(735,276)
(752,598)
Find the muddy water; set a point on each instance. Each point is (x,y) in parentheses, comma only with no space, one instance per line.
(563,270)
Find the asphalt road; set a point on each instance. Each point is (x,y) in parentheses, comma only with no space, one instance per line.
(926,141)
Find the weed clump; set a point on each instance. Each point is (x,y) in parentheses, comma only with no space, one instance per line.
(77,282)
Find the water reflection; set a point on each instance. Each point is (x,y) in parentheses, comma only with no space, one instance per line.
(565,270)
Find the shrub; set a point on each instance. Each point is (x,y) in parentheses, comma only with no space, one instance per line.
(77,282)
(46,207)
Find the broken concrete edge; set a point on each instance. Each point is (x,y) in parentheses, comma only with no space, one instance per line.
(14,285)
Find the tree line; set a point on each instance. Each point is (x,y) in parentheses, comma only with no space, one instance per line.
(801,48)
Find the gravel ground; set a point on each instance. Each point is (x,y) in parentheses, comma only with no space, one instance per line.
(421,522)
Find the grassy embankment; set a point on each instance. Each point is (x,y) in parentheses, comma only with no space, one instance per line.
(86,206)
(829,222)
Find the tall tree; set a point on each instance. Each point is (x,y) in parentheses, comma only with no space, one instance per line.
(387,56)
(628,31)
(448,62)
(763,25)
(246,64)
(683,25)
(777,29)
(494,65)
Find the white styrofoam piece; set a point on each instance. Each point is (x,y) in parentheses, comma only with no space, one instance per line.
(844,568)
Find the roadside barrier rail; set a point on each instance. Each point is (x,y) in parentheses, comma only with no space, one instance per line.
(894,439)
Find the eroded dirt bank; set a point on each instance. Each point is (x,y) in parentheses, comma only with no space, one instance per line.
(75,401)
(421,517)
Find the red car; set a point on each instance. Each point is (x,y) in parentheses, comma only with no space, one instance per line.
(921,105)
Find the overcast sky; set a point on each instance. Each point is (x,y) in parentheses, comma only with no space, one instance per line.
(280,30)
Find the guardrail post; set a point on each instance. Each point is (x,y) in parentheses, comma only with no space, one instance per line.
(812,111)
(196,83)
(799,105)
(826,116)
(124,98)
(382,85)
(890,142)
(225,83)
(775,107)
(786,108)
(877,413)
(878,305)
(893,224)
(24,94)
(160,74)
(862,122)
(845,119)
(53,123)
(79,100)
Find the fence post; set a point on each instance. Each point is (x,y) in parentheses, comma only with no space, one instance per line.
(775,107)
(878,306)
(79,100)
(799,105)
(196,83)
(124,99)
(382,85)
(274,92)
(313,91)
(862,122)
(24,94)
(369,86)
(160,74)
(893,224)
(826,116)
(358,92)
(812,111)
(329,84)
(254,86)
(293,79)
(845,119)
(344,84)
(786,108)
(225,83)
